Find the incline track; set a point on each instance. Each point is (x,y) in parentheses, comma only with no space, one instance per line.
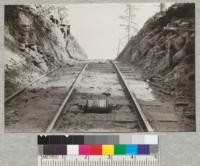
(21,90)
(100,79)
(96,80)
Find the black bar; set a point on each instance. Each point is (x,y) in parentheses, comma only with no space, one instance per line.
(78,139)
(53,139)
(43,140)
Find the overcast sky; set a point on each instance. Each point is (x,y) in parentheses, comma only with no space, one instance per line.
(97,26)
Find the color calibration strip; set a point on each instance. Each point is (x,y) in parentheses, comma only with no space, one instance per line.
(117,149)
(99,150)
(98,145)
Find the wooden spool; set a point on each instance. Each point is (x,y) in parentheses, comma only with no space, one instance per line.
(97,106)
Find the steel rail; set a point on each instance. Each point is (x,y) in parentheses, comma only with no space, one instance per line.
(8,99)
(70,91)
(134,101)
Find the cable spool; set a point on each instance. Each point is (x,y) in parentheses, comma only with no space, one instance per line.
(97,106)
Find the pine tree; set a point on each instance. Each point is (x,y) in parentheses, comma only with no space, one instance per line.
(128,19)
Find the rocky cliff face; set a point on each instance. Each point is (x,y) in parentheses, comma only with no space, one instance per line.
(37,39)
(164,51)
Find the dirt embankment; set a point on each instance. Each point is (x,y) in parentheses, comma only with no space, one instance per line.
(164,52)
(37,39)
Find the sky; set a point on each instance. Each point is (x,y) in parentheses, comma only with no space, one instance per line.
(97,26)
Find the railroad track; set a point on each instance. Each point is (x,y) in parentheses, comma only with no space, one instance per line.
(94,81)
(100,81)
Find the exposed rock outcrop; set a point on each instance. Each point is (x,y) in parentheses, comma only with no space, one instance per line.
(164,51)
(37,39)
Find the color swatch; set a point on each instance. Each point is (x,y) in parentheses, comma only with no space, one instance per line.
(98,145)
(107,149)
